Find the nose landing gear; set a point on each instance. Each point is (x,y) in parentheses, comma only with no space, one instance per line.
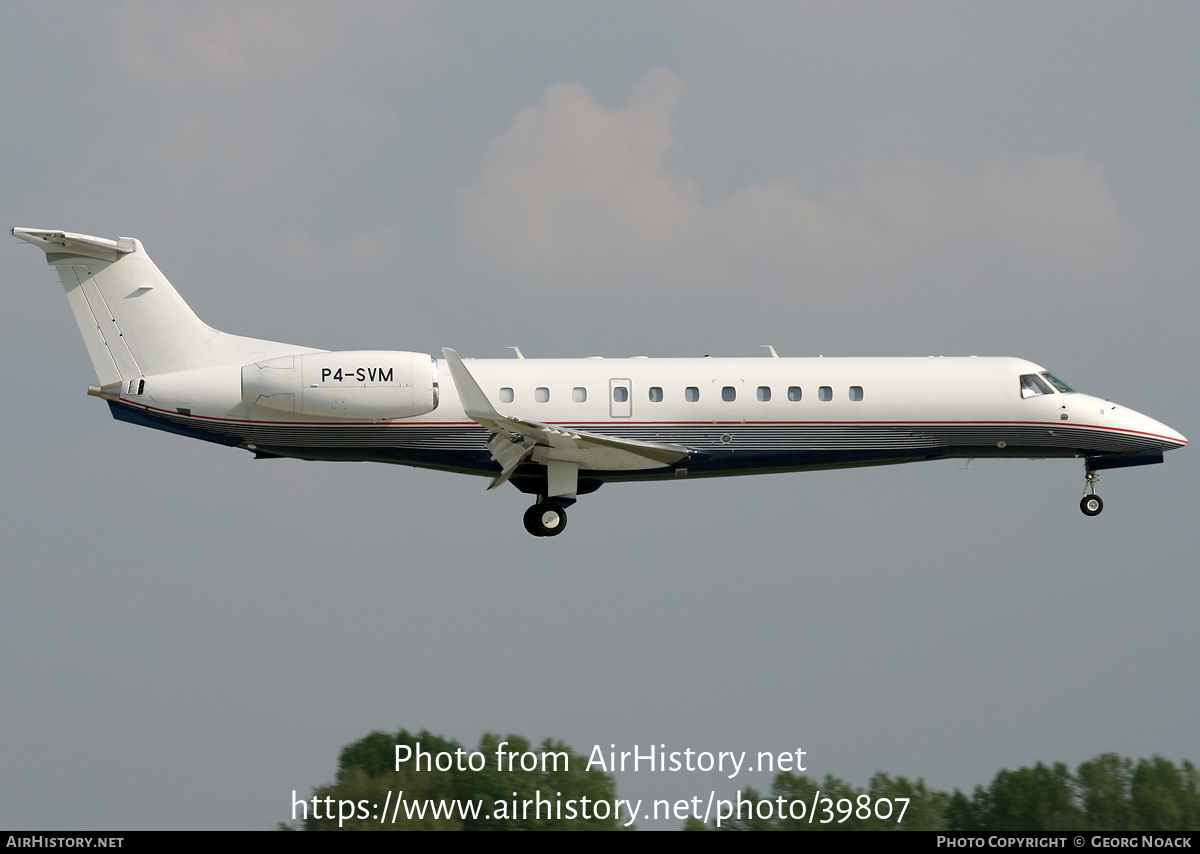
(1091,504)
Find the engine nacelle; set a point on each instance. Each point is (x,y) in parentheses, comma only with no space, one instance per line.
(368,385)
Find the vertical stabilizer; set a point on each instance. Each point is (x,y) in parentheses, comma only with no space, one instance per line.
(133,322)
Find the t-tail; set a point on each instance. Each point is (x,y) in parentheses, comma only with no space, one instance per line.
(133,321)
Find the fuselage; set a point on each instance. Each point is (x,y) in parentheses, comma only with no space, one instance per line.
(738,416)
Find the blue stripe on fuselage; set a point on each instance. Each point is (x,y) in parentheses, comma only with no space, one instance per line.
(133,415)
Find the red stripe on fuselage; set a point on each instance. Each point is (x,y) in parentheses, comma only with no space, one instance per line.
(585,425)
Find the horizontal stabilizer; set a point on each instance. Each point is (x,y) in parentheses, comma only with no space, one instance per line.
(60,246)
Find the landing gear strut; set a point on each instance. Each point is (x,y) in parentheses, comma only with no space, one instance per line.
(546,519)
(1091,505)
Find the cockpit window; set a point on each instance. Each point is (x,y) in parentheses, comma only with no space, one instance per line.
(1032,385)
(1057,383)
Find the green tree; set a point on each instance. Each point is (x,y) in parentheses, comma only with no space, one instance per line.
(834,794)
(926,807)
(368,777)
(839,806)
(1162,797)
(969,814)
(1103,786)
(1038,798)
(846,805)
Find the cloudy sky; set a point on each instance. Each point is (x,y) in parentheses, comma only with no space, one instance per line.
(188,635)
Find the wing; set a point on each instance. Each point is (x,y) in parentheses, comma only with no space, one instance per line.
(514,440)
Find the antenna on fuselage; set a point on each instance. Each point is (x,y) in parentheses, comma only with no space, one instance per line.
(770,347)
(517,350)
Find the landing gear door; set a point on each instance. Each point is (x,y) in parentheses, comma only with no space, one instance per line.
(620,398)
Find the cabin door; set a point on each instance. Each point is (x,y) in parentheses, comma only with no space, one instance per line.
(620,398)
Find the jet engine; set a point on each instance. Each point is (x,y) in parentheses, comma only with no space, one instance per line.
(366,385)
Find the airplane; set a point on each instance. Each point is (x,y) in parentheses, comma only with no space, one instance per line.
(558,429)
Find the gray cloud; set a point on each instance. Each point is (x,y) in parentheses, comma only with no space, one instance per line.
(573,187)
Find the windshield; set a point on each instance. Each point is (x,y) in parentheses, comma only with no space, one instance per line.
(1032,385)
(1057,383)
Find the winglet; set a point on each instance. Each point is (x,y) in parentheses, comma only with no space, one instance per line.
(474,401)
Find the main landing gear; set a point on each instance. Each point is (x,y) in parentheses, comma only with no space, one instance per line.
(546,518)
(1091,504)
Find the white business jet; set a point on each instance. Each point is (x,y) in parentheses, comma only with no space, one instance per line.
(559,428)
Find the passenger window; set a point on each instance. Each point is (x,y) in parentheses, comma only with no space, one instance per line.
(764,393)
(506,395)
(541,394)
(620,394)
(691,394)
(579,394)
(856,392)
(794,393)
(825,393)
(656,394)
(729,394)
(1032,385)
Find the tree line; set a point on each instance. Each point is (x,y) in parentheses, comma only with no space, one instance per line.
(1109,792)
(441,772)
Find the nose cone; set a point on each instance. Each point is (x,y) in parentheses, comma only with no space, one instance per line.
(1174,436)
(1122,430)
(1154,434)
